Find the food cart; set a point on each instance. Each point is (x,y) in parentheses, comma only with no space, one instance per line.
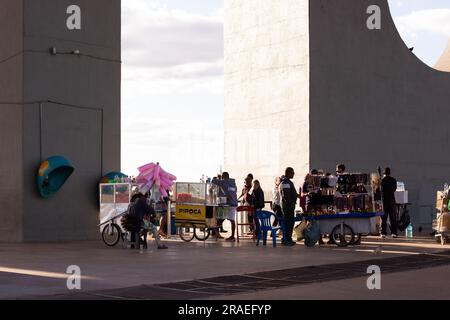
(196,209)
(346,207)
(114,202)
(114,199)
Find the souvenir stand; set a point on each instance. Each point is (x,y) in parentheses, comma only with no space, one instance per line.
(345,206)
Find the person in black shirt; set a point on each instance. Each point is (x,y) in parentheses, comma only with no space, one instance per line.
(289,197)
(388,188)
(258,196)
(257,201)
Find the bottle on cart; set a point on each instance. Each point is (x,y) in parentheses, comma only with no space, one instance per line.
(409,231)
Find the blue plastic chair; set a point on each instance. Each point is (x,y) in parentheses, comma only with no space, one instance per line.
(265,225)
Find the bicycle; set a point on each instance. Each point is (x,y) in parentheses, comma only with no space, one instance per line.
(112,233)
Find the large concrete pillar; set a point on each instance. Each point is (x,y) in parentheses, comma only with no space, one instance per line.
(341,91)
(60,75)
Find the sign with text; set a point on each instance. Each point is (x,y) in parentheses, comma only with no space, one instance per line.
(190,214)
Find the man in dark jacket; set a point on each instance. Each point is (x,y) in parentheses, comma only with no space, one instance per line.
(138,210)
(289,197)
(388,188)
(229,187)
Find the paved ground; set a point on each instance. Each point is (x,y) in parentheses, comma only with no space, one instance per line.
(38,270)
(425,284)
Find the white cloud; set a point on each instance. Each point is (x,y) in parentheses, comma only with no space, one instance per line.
(155,36)
(172,88)
(436,21)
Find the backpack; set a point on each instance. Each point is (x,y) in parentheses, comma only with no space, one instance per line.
(404,221)
(312,233)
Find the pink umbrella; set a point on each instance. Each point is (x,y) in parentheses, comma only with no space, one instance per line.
(151,175)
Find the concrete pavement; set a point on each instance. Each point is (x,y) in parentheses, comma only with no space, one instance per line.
(40,269)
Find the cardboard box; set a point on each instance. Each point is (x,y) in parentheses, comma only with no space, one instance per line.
(441,202)
(444,222)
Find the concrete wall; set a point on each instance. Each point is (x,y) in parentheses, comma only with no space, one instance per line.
(374,103)
(11,74)
(82,121)
(266,88)
(330,90)
(443,63)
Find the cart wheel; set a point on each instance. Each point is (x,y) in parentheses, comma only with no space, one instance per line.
(187,232)
(357,240)
(111,234)
(202,234)
(343,235)
(438,239)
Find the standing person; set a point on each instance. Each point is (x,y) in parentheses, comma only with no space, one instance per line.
(219,221)
(276,201)
(388,188)
(288,201)
(258,202)
(230,189)
(246,197)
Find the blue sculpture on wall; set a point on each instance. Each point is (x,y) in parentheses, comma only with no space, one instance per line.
(52,175)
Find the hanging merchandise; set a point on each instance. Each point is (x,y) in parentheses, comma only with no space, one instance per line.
(152,176)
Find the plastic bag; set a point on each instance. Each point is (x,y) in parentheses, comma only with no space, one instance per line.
(299,231)
(312,233)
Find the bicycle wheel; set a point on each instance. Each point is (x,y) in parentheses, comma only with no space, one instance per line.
(111,234)
(187,232)
(202,234)
(342,235)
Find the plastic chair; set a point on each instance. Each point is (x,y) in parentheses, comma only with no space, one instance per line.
(265,225)
(240,210)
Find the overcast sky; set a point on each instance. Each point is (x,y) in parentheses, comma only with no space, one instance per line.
(172,89)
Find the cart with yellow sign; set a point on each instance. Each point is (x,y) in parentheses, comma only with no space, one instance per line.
(196,209)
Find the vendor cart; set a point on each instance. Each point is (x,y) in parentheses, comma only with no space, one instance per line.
(346,228)
(441,225)
(346,207)
(114,201)
(197,207)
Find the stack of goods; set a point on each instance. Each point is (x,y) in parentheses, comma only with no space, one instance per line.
(442,205)
(320,191)
(153,176)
